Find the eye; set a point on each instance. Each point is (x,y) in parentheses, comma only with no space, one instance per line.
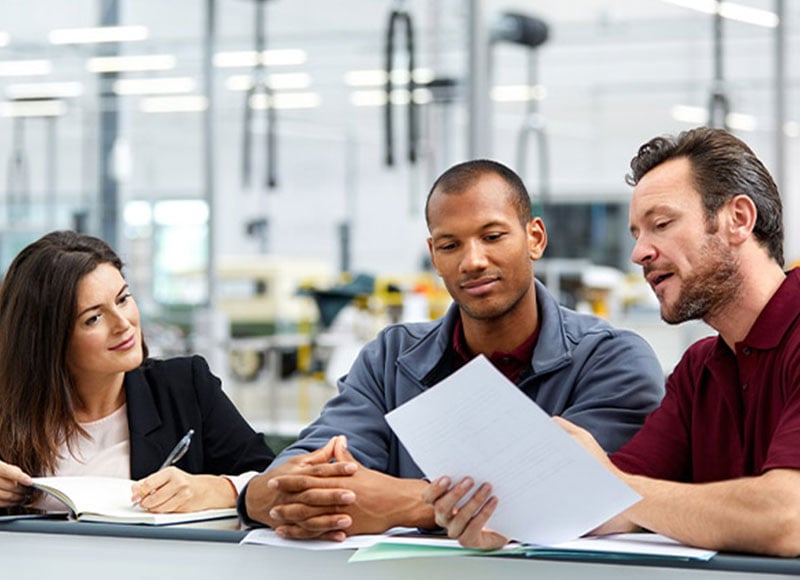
(124,298)
(663,224)
(92,320)
(493,237)
(446,246)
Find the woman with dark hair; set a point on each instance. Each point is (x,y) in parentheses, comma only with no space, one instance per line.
(81,397)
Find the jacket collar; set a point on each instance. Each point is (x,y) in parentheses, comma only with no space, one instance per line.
(427,363)
(143,415)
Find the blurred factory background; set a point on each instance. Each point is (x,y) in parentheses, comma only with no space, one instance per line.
(262,165)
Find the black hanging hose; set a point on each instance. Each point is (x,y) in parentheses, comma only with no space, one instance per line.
(260,85)
(404,18)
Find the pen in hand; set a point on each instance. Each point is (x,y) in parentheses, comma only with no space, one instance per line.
(174,456)
(178,451)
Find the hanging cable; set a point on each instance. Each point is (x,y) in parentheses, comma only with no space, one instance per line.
(400,17)
(17,174)
(259,86)
(719,105)
(529,32)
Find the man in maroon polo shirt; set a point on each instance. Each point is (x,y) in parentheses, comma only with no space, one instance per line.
(718,463)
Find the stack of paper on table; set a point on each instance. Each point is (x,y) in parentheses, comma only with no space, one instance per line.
(108,499)
(477,423)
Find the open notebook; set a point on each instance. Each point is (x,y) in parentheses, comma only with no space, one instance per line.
(108,499)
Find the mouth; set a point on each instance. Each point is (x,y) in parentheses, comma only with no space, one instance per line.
(656,279)
(125,344)
(479,286)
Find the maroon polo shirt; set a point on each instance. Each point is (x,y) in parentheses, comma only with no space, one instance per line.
(729,414)
(511,364)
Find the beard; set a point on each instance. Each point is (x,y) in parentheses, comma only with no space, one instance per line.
(709,289)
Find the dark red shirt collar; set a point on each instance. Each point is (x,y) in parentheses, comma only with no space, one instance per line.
(511,363)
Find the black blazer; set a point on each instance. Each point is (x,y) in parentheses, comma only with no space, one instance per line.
(166,398)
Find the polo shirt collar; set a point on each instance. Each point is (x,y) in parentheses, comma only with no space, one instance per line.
(778,316)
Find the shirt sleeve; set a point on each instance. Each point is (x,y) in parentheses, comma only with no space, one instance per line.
(661,449)
(356,412)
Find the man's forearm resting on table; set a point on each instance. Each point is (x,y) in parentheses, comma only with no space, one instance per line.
(752,514)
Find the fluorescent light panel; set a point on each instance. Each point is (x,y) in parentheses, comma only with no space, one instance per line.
(732,11)
(699,116)
(148,62)
(277,81)
(377,98)
(46,108)
(5,38)
(377,77)
(183,104)
(98,34)
(22,68)
(791,129)
(180,212)
(44,90)
(154,86)
(277,57)
(518,93)
(286,101)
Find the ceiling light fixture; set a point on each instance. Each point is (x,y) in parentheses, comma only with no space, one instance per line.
(731,10)
(261,101)
(35,108)
(699,116)
(108,64)
(154,86)
(377,77)
(44,90)
(184,104)
(277,57)
(276,81)
(518,93)
(23,68)
(377,98)
(99,34)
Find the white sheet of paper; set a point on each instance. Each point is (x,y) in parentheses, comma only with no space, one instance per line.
(267,537)
(477,423)
(637,544)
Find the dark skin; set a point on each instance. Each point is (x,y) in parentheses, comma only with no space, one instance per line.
(309,496)
(483,252)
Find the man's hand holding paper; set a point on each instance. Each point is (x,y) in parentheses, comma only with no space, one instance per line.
(549,489)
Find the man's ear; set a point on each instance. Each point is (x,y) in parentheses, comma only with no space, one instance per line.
(537,237)
(741,219)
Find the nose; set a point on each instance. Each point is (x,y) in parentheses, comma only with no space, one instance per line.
(643,251)
(120,322)
(474,257)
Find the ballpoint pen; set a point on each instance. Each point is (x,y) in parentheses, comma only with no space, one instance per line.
(174,456)
(179,450)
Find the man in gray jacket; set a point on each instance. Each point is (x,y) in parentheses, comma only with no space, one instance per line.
(349,474)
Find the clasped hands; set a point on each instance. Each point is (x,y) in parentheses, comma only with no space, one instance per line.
(327,494)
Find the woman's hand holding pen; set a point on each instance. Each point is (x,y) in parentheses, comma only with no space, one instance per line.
(14,485)
(173,490)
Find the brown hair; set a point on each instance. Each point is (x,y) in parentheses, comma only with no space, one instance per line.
(723,167)
(38,302)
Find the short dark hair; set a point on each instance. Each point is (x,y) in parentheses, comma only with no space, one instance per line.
(38,306)
(463,175)
(723,167)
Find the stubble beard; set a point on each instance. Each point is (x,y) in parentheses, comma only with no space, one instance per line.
(710,289)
